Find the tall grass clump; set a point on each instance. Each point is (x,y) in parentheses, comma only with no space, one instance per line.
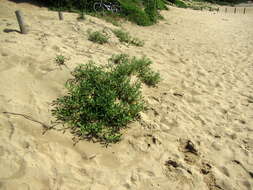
(97,37)
(102,100)
(125,37)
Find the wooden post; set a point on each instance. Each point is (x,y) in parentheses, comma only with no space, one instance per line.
(235,10)
(226,9)
(201,8)
(21,22)
(210,9)
(218,9)
(60,15)
(244,10)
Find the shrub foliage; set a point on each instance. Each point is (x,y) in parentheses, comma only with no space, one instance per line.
(142,12)
(97,37)
(102,100)
(125,37)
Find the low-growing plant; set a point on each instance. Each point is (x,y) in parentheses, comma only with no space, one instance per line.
(101,100)
(139,67)
(113,20)
(97,37)
(119,58)
(127,38)
(179,3)
(137,42)
(60,60)
(81,16)
(122,35)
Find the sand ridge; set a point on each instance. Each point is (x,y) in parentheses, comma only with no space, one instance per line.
(197,133)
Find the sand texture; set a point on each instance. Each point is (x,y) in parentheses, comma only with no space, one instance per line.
(197,134)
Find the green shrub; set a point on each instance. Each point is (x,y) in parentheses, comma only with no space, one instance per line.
(60,59)
(122,35)
(179,3)
(152,10)
(127,38)
(161,5)
(119,58)
(103,100)
(138,11)
(134,12)
(139,67)
(97,37)
(150,78)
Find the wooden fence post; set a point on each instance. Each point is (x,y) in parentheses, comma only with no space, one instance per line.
(244,10)
(21,22)
(226,9)
(235,10)
(218,9)
(60,15)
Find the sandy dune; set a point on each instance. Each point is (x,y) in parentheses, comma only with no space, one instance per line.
(197,135)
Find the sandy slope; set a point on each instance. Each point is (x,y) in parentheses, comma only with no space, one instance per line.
(204,103)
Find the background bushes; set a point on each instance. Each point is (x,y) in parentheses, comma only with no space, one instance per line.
(142,12)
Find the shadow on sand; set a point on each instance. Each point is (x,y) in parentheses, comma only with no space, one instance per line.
(8,30)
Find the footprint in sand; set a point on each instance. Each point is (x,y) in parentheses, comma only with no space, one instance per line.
(11,60)
(13,165)
(36,68)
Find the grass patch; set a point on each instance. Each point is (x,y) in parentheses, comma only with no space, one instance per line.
(60,59)
(97,37)
(179,3)
(102,100)
(81,16)
(112,20)
(109,17)
(125,37)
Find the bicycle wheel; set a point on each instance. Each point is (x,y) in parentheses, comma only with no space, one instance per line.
(98,7)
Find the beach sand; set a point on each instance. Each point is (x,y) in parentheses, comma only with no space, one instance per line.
(197,134)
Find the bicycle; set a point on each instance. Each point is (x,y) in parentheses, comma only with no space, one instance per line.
(106,6)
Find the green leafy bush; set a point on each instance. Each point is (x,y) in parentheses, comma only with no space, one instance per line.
(97,37)
(134,12)
(127,38)
(152,10)
(142,12)
(134,66)
(161,5)
(101,100)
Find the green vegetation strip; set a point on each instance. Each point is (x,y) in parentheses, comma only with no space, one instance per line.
(127,38)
